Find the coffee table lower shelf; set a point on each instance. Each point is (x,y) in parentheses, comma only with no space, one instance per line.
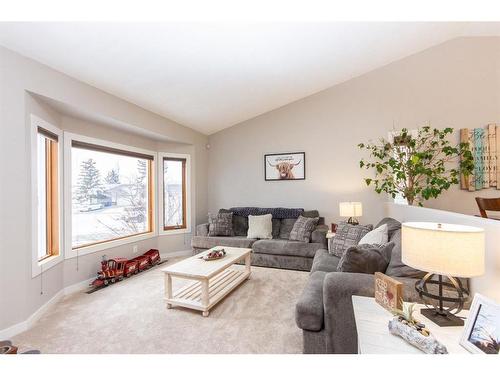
(202,295)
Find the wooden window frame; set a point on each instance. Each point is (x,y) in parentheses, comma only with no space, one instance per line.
(151,202)
(51,196)
(184,193)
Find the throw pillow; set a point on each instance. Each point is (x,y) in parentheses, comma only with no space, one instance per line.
(377,236)
(220,224)
(347,235)
(366,258)
(392,225)
(303,228)
(286,227)
(260,226)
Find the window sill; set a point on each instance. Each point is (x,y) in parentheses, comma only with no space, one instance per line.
(45,264)
(72,253)
(172,232)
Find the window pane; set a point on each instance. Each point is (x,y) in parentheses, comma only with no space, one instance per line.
(109,196)
(173,192)
(41,196)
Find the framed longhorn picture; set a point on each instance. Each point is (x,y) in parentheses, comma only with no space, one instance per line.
(289,166)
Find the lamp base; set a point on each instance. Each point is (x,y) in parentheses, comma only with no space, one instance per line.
(442,320)
(353,221)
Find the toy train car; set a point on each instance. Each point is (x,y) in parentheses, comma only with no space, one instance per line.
(115,269)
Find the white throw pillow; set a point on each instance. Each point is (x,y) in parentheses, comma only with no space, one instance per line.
(379,236)
(260,226)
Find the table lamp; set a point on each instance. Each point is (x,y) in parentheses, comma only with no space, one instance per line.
(445,251)
(352,210)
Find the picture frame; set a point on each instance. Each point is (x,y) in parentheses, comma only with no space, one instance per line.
(388,292)
(482,328)
(287,166)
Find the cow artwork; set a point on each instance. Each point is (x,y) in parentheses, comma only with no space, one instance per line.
(290,166)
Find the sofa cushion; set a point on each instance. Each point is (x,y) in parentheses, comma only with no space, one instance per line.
(392,225)
(285,247)
(309,308)
(325,262)
(347,235)
(276,227)
(220,224)
(209,242)
(303,228)
(396,267)
(366,258)
(286,227)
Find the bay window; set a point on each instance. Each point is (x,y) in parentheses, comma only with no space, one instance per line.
(111,193)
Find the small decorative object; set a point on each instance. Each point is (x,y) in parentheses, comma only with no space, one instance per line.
(482,331)
(416,164)
(115,269)
(444,251)
(214,255)
(352,210)
(334,228)
(290,166)
(414,332)
(388,292)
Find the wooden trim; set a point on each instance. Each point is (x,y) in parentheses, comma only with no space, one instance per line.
(47,134)
(109,150)
(51,198)
(184,191)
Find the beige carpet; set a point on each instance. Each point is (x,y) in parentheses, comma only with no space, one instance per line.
(131,317)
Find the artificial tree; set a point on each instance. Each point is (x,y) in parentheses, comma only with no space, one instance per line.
(417,165)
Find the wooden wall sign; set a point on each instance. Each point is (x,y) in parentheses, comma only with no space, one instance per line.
(388,292)
(484,145)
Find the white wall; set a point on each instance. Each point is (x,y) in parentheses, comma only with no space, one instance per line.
(489,283)
(20,295)
(454,84)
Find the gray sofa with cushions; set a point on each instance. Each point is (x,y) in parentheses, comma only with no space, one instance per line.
(278,252)
(324,311)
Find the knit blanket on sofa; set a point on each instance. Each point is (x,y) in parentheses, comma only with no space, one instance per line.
(278,212)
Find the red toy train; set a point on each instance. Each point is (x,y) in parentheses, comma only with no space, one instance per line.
(115,269)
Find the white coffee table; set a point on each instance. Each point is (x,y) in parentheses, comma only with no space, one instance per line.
(211,280)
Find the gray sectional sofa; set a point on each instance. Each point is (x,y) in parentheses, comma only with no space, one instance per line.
(324,311)
(278,252)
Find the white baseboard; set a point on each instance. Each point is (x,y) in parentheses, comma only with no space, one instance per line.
(33,318)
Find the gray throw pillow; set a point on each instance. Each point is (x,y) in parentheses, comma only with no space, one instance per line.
(303,228)
(347,235)
(220,224)
(366,258)
(240,223)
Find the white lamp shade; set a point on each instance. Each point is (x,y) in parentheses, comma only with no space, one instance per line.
(351,209)
(443,249)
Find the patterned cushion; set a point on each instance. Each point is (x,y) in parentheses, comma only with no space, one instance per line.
(220,224)
(347,235)
(303,228)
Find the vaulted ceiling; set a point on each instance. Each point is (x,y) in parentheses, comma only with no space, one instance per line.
(210,76)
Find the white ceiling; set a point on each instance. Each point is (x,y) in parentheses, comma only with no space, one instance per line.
(211,76)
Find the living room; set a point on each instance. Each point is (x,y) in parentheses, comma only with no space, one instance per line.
(253,187)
